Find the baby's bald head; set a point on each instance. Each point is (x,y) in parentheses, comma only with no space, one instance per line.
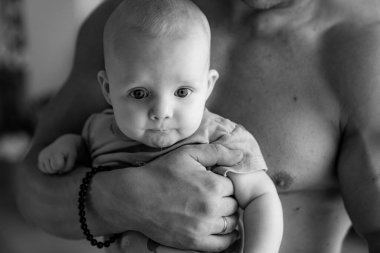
(154,18)
(157,69)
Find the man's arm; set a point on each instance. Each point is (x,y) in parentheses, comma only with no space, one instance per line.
(66,113)
(80,95)
(168,200)
(356,77)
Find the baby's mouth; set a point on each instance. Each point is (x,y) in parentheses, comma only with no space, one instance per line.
(161,130)
(266,5)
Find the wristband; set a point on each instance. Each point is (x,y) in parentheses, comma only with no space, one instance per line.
(83,192)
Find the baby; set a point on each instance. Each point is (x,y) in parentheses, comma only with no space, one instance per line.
(157,79)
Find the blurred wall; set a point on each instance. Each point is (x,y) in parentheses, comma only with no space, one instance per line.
(12,66)
(51,28)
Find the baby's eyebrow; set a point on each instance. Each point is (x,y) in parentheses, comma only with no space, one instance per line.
(190,83)
(133,83)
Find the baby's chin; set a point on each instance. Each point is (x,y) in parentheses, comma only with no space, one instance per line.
(161,142)
(157,139)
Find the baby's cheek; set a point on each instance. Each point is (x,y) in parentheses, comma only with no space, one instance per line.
(193,122)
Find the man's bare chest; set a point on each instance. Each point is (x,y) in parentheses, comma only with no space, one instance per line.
(283,99)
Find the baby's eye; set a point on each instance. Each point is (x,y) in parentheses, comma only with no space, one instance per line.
(183,92)
(139,93)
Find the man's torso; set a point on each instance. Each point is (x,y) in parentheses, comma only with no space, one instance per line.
(277,87)
(276,84)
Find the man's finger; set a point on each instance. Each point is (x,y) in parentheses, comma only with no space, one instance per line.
(228,206)
(219,242)
(215,154)
(225,224)
(223,185)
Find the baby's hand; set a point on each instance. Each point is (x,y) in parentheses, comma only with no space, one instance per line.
(60,156)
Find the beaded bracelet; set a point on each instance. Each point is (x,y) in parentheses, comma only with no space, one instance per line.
(83,191)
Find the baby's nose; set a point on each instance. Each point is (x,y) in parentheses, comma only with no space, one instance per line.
(161,111)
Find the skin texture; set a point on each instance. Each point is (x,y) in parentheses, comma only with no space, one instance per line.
(303,79)
(195,210)
(158,88)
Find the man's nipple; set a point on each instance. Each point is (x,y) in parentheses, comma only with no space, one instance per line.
(282,180)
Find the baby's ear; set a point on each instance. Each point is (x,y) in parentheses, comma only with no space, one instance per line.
(213,76)
(104,85)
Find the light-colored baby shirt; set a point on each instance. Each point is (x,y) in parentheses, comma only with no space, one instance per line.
(108,146)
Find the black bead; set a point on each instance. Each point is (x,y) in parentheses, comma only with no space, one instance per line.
(83,190)
(100,245)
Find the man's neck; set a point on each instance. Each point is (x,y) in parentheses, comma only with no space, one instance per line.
(285,15)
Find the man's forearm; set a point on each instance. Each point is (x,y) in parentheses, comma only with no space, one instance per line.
(50,201)
(160,199)
(373,240)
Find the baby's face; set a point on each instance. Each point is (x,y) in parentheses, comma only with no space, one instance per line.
(158,88)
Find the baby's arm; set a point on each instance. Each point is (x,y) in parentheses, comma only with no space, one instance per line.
(60,156)
(263,222)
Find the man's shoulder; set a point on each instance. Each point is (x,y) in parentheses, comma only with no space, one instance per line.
(351,49)
(350,60)
(352,30)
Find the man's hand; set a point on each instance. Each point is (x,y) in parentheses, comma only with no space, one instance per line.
(173,200)
(135,242)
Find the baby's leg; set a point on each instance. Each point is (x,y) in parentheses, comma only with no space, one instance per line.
(134,242)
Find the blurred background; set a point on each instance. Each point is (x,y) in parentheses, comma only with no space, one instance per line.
(37,40)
